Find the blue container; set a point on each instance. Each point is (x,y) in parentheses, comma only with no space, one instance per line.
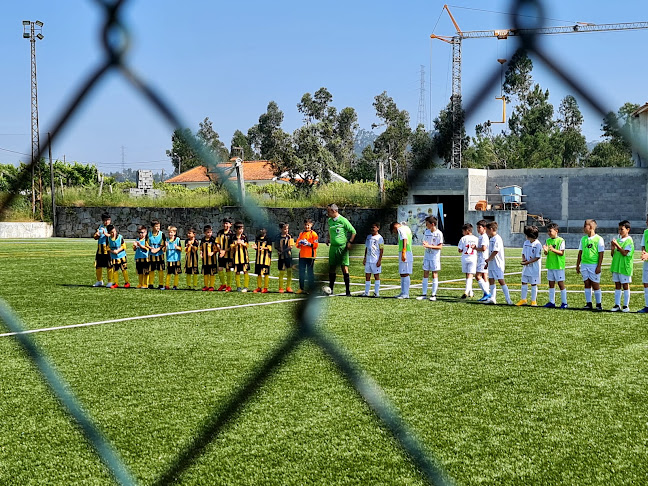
(511,194)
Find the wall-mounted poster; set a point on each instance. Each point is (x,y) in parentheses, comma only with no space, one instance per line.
(414,216)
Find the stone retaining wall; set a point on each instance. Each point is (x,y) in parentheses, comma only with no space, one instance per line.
(82,222)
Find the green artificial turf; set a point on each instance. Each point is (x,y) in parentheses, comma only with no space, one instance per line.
(497,394)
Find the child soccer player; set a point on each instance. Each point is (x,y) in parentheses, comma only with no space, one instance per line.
(141,257)
(590,253)
(307,242)
(374,248)
(209,256)
(117,248)
(554,248)
(644,258)
(406,260)
(173,256)
(240,257)
(263,247)
(495,264)
(531,255)
(191,258)
(482,255)
(284,246)
(466,247)
(102,258)
(224,238)
(622,249)
(157,245)
(432,242)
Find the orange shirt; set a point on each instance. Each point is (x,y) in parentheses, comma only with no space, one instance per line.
(304,250)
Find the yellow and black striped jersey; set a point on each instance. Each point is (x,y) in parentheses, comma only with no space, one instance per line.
(239,249)
(284,244)
(264,251)
(207,247)
(191,253)
(224,240)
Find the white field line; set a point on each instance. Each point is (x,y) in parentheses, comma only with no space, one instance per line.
(213,309)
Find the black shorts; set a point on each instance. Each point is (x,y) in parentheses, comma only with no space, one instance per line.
(241,267)
(156,265)
(191,270)
(142,266)
(209,269)
(261,269)
(119,264)
(174,268)
(284,263)
(225,263)
(102,260)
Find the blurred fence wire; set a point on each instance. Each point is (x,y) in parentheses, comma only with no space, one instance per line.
(116,39)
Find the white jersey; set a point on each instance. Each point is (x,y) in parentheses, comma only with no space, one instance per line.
(482,242)
(496,244)
(467,246)
(432,238)
(374,245)
(531,250)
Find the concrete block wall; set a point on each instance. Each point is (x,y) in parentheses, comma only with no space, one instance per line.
(25,230)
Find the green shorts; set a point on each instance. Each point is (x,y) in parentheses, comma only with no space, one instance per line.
(338,255)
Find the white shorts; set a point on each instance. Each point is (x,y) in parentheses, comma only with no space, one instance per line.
(588,272)
(431,265)
(495,273)
(404,267)
(480,267)
(645,272)
(469,267)
(556,275)
(530,279)
(372,268)
(619,277)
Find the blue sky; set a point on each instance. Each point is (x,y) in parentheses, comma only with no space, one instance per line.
(227,60)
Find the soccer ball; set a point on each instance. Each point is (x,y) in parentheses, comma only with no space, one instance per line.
(326,290)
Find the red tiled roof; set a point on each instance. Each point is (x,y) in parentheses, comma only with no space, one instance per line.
(253,170)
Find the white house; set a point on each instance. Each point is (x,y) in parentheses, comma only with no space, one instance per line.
(641,114)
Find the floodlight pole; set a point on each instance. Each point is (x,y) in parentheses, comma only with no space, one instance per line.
(33,31)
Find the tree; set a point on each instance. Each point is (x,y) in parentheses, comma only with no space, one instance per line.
(392,143)
(262,136)
(422,147)
(362,139)
(211,141)
(570,143)
(184,156)
(364,168)
(239,139)
(518,80)
(618,131)
(443,132)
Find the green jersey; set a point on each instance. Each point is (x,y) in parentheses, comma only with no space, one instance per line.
(644,243)
(623,264)
(339,228)
(555,262)
(404,233)
(590,248)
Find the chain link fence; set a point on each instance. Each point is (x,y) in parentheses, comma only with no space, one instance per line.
(116,38)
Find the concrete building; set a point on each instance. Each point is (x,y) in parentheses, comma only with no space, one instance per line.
(564,196)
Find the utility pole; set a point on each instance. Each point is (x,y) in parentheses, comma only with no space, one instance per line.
(53,194)
(33,31)
(422,116)
(123,163)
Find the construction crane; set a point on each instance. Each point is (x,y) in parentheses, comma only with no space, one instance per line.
(455,41)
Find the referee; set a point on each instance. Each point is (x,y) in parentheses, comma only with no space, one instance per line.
(341,236)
